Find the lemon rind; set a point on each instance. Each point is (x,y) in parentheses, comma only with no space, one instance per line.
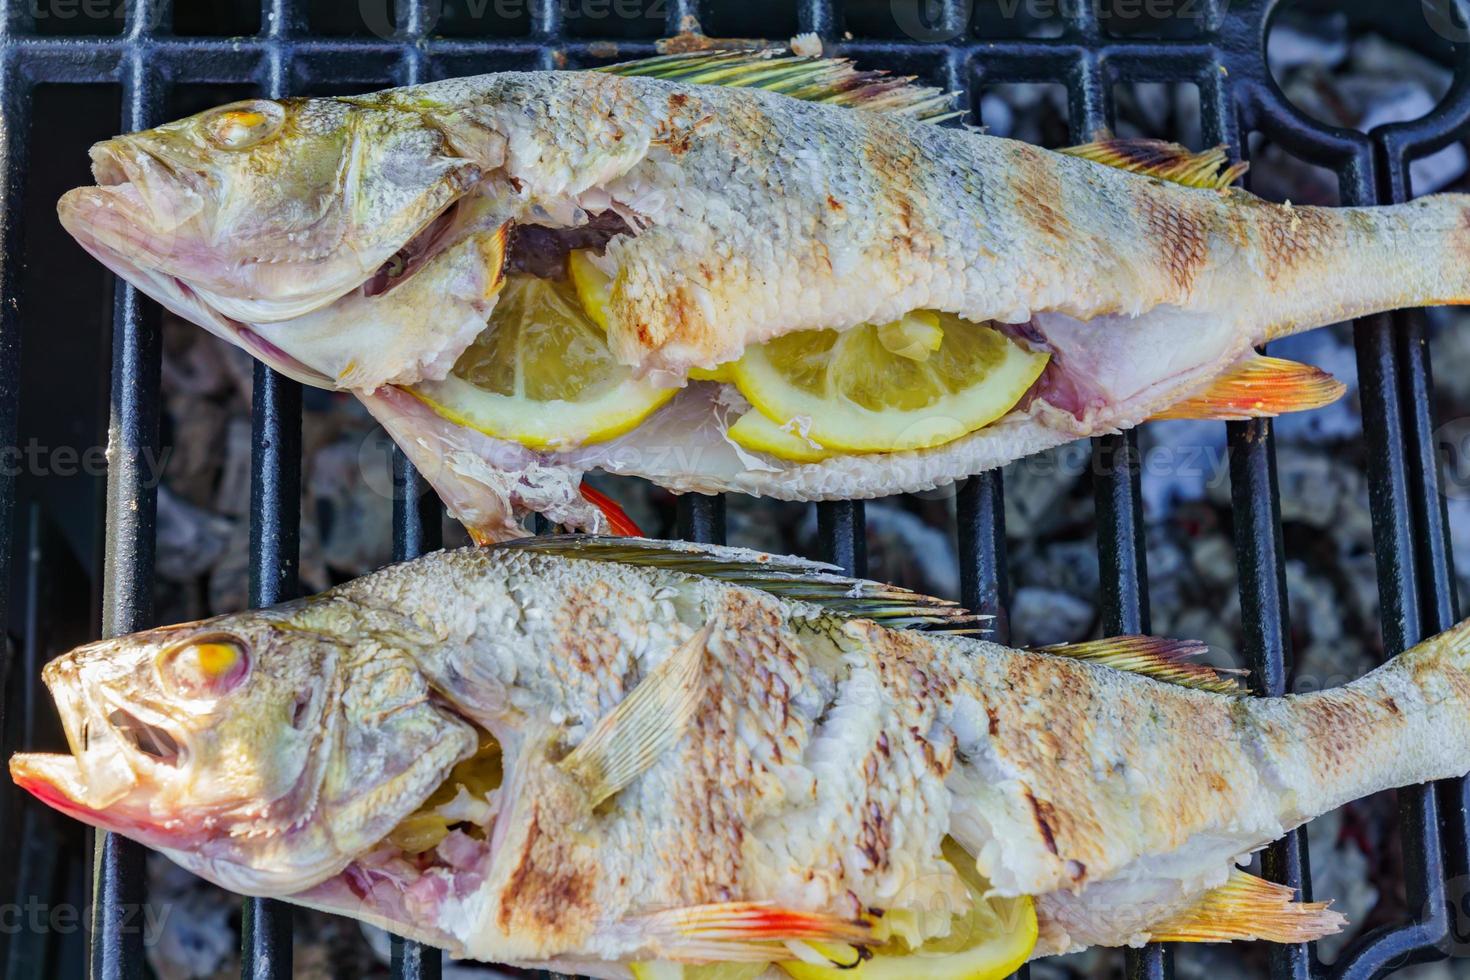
(972,409)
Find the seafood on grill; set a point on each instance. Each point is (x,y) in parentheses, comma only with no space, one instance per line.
(605,753)
(734,271)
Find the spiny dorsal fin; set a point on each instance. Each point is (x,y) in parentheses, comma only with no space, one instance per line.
(644,726)
(831,80)
(1247,907)
(1153,656)
(1259,387)
(782,576)
(1167,161)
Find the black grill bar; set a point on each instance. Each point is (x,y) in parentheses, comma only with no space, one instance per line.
(118,889)
(417,529)
(275,540)
(1226,62)
(15,97)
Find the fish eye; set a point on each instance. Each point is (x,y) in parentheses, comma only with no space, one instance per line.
(206,666)
(243,124)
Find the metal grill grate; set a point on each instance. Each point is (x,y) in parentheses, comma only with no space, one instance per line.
(1225,59)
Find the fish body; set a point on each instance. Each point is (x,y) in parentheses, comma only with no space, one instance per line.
(726,216)
(813,760)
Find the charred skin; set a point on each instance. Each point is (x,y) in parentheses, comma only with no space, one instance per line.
(826,761)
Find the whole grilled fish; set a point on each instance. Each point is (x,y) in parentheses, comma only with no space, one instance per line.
(709,753)
(360,243)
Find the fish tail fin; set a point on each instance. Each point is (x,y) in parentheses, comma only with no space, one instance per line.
(1326,265)
(1407,722)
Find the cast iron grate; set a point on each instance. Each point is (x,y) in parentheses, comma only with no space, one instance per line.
(1220,50)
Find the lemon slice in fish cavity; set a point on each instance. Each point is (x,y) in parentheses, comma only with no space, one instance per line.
(919,382)
(989,941)
(541,374)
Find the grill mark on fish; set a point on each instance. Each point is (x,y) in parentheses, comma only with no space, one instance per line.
(1293,236)
(1181,234)
(1037,190)
(1045,816)
(547,887)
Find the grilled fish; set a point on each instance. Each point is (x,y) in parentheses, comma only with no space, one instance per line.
(362,242)
(707,754)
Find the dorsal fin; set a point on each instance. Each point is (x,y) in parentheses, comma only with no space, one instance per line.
(1158,158)
(831,80)
(781,576)
(1152,656)
(1259,387)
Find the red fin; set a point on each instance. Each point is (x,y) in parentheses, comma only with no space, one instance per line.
(1247,907)
(617,518)
(1259,387)
(1166,161)
(745,930)
(1152,656)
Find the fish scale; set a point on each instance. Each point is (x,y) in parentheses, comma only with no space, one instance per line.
(823,760)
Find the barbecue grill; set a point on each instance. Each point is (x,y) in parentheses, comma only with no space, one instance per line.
(297,47)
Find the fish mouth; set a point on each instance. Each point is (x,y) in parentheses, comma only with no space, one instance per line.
(59,781)
(107,222)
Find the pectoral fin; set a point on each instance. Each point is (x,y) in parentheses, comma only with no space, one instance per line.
(1259,387)
(1247,907)
(644,726)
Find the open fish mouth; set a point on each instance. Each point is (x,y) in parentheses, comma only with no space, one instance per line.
(115,241)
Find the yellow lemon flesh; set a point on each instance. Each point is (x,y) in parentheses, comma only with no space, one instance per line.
(988,942)
(862,396)
(594,287)
(541,374)
(688,971)
(916,336)
(755,432)
(423,829)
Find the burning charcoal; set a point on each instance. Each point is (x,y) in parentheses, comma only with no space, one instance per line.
(1342,870)
(904,550)
(1043,616)
(349,477)
(195,937)
(191,540)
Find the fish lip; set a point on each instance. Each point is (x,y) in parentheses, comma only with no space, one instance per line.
(103,242)
(56,780)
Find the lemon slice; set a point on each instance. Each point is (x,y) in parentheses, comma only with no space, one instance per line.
(594,287)
(756,432)
(704,971)
(863,397)
(721,373)
(541,374)
(988,942)
(915,336)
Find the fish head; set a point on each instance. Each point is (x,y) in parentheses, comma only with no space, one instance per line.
(263,211)
(241,746)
